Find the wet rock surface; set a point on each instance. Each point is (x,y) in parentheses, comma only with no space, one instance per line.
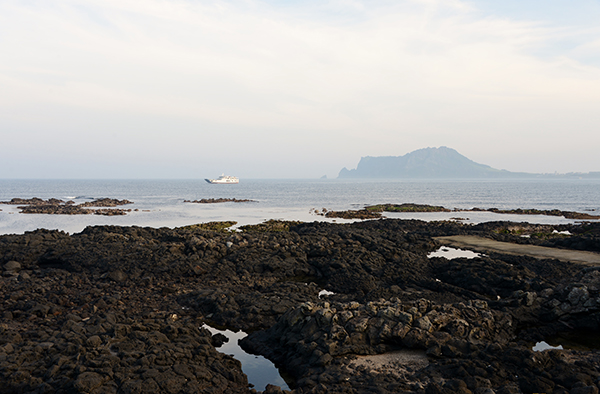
(55,206)
(375,211)
(217,200)
(550,212)
(119,310)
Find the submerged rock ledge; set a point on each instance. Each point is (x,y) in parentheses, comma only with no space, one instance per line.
(119,309)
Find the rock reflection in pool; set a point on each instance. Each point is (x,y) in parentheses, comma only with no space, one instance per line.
(260,371)
(578,339)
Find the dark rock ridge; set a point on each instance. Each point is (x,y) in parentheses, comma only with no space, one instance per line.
(105,202)
(376,211)
(362,214)
(55,206)
(211,226)
(217,200)
(546,212)
(406,207)
(439,162)
(119,309)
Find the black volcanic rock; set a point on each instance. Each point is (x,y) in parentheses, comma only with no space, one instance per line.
(440,162)
(54,206)
(120,309)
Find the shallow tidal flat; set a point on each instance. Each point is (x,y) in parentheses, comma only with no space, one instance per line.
(120,309)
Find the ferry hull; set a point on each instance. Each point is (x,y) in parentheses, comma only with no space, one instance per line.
(230,181)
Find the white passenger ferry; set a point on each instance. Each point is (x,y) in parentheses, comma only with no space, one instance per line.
(224,179)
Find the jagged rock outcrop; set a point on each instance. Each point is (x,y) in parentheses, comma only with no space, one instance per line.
(119,309)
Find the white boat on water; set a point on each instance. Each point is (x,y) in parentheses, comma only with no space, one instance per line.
(224,179)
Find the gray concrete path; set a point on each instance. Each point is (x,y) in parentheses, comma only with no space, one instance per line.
(481,244)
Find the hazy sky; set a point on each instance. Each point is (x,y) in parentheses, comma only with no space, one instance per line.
(294,89)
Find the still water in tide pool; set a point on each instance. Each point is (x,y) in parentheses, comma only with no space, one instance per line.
(160,203)
(453,253)
(260,371)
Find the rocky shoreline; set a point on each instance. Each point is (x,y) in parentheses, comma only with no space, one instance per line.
(217,200)
(55,206)
(376,211)
(119,309)
(551,212)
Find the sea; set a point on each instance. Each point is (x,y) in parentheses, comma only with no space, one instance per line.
(162,203)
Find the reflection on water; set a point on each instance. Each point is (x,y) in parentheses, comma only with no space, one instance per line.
(578,339)
(452,253)
(541,346)
(259,370)
(324,293)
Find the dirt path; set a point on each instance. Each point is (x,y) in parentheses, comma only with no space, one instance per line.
(541,252)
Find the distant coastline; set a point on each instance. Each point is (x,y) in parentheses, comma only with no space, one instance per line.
(442,162)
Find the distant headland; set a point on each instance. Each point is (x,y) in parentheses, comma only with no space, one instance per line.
(442,162)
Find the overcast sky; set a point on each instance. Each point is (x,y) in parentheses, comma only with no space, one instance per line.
(294,89)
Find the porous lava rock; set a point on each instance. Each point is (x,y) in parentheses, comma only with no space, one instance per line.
(55,206)
(120,309)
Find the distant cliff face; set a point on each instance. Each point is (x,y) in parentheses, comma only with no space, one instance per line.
(440,162)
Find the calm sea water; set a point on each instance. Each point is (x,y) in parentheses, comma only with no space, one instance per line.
(160,203)
(260,371)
